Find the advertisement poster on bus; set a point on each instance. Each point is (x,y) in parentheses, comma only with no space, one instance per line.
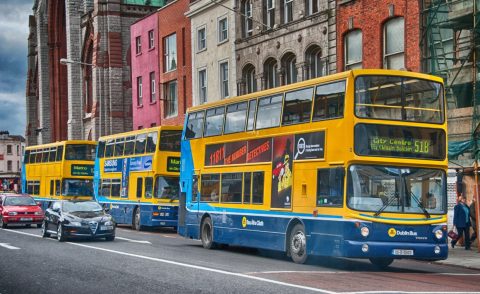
(282,172)
(310,145)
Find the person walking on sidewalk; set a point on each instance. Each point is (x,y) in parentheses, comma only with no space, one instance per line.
(461,220)
(473,218)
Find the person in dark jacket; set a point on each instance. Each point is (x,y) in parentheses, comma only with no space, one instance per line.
(461,220)
(473,218)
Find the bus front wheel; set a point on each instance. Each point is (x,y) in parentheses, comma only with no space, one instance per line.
(298,244)
(136,220)
(381,263)
(206,234)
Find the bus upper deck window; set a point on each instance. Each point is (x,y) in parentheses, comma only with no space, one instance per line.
(329,101)
(235,118)
(194,125)
(214,122)
(129,145)
(269,110)
(298,105)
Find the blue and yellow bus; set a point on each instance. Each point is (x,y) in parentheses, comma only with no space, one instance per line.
(348,165)
(59,171)
(137,176)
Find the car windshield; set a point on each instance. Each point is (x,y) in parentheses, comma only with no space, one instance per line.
(398,98)
(396,189)
(83,206)
(18,201)
(77,187)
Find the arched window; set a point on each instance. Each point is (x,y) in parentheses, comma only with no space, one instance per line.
(270,73)
(248,74)
(289,67)
(394,43)
(247,24)
(353,49)
(315,65)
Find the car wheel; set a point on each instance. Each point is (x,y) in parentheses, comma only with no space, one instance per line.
(110,238)
(298,244)
(45,234)
(206,234)
(136,220)
(28,226)
(60,236)
(381,263)
(39,225)
(2,224)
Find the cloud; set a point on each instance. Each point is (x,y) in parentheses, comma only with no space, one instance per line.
(13,63)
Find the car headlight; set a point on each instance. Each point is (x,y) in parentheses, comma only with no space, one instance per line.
(439,234)
(76,224)
(365,231)
(13,213)
(38,213)
(109,223)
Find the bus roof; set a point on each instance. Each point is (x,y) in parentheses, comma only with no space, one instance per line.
(61,143)
(324,79)
(142,131)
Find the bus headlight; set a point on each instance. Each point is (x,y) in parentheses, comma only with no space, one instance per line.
(438,234)
(437,249)
(365,248)
(365,231)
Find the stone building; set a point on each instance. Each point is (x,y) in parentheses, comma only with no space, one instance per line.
(213,50)
(11,151)
(279,43)
(89,95)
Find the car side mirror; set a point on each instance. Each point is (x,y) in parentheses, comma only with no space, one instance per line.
(39,203)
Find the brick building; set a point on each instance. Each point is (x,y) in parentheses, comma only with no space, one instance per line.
(378,34)
(74,100)
(11,151)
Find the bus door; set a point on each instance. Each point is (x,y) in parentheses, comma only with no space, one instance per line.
(188,200)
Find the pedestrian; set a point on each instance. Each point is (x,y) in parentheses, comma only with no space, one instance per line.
(461,221)
(473,218)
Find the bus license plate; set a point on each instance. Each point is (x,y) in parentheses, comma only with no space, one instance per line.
(26,219)
(404,252)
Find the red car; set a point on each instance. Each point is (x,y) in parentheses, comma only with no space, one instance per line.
(19,209)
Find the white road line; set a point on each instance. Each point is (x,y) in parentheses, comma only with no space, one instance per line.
(133,241)
(6,245)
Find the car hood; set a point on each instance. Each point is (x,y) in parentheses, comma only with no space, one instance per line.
(86,214)
(23,208)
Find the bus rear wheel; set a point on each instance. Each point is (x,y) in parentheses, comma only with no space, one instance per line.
(206,234)
(136,220)
(298,244)
(381,263)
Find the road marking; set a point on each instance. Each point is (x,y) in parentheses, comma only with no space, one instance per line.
(133,241)
(6,245)
(168,236)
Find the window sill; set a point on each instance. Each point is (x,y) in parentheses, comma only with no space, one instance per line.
(202,50)
(140,106)
(138,54)
(222,42)
(154,102)
(151,49)
(171,116)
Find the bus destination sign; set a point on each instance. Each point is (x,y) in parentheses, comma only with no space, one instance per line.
(82,170)
(173,164)
(399,141)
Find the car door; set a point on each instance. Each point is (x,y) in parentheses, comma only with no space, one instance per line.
(53,215)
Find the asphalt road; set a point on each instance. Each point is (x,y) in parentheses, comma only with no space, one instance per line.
(163,262)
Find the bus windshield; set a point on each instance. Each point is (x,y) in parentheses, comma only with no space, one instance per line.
(77,187)
(166,187)
(80,152)
(396,189)
(399,98)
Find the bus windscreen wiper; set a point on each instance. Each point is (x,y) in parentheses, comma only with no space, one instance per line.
(389,201)
(425,211)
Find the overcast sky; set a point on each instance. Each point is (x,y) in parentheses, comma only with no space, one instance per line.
(13,63)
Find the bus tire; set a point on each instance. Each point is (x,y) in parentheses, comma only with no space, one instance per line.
(297,245)
(381,263)
(45,234)
(206,234)
(136,220)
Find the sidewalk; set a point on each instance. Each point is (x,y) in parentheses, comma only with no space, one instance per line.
(458,256)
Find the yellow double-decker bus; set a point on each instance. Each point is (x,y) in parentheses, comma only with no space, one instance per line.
(60,170)
(137,176)
(350,165)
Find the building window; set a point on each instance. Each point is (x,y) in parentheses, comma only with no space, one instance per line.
(139,91)
(316,66)
(18,165)
(151,40)
(287,10)
(202,85)
(353,50)
(138,43)
(224,80)
(311,6)
(170,51)
(9,149)
(269,13)
(270,72)
(9,165)
(18,150)
(153,89)
(394,45)
(223,30)
(249,79)
(290,68)
(247,18)
(171,99)
(201,39)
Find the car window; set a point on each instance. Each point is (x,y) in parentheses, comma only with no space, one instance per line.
(18,201)
(56,205)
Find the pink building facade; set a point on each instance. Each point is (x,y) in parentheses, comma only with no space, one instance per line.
(145,72)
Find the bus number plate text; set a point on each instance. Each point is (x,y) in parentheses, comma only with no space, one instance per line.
(403,252)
